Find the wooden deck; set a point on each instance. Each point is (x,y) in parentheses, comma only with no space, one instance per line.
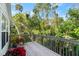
(35,49)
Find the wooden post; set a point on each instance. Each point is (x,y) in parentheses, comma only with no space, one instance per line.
(33,37)
(42,40)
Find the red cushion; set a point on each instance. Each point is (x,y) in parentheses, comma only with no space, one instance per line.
(21,51)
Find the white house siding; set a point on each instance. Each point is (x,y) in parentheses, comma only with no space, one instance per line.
(5,9)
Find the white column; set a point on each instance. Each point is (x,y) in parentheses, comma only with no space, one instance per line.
(0,35)
(0,28)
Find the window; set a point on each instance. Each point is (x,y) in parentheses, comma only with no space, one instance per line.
(3,39)
(6,36)
(4,30)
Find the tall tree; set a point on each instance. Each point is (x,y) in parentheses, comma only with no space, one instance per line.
(42,8)
(73,13)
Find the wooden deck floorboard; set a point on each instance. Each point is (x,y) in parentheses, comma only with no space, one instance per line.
(35,49)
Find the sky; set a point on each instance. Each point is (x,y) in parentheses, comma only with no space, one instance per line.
(28,7)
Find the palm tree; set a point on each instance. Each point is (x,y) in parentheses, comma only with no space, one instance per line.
(19,7)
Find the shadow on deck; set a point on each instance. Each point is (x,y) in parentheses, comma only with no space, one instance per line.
(35,49)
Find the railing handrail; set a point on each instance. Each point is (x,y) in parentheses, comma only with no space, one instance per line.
(61,39)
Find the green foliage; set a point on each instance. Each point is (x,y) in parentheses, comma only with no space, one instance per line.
(27,38)
(75,33)
(73,13)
